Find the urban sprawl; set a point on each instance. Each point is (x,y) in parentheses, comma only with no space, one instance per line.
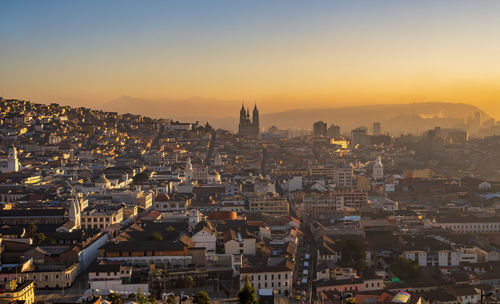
(99,207)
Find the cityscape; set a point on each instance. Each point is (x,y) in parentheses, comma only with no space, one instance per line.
(340,153)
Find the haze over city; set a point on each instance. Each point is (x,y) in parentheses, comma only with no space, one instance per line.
(281,54)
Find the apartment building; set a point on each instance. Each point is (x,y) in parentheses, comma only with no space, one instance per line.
(269,204)
(102,216)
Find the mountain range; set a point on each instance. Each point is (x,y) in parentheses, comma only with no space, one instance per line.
(395,118)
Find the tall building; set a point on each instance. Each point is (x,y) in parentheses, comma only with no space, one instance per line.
(344,176)
(359,136)
(319,129)
(376,128)
(249,127)
(333,131)
(12,163)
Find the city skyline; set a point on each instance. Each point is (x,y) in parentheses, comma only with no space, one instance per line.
(283,55)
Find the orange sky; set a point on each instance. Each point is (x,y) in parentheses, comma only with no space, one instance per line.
(282,55)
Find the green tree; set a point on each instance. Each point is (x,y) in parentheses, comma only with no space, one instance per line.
(189,282)
(155,236)
(247,294)
(406,269)
(141,297)
(353,254)
(115,298)
(151,299)
(201,298)
(351,300)
(131,297)
(40,238)
(32,228)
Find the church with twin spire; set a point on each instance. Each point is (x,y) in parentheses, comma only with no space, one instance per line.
(249,127)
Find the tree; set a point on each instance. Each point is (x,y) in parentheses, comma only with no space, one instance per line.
(115,298)
(351,300)
(32,228)
(131,297)
(40,238)
(171,299)
(353,254)
(247,294)
(155,236)
(151,299)
(141,297)
(189,282)
(201,298)
(406,269)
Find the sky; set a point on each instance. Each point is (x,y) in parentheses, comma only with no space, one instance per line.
(281,54)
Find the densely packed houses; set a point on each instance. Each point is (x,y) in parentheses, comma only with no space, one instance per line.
(97,203)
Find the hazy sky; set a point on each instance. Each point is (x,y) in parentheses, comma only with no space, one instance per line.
(282,54)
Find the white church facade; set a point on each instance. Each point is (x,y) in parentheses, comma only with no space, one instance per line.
(12,163)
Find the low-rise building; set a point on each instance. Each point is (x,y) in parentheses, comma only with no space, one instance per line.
(278,278)
(14,292)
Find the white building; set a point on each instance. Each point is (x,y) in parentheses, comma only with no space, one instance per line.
(418,256)
(470,224)
(12,163)
(205,237)
(448,258)
(278,278)
(378,169)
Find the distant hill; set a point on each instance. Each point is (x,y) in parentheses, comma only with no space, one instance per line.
(221,113)
(396,118)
